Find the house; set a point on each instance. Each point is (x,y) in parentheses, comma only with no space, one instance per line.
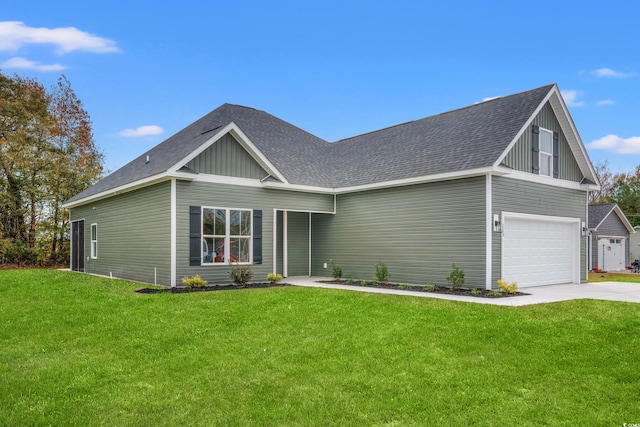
(499,188)
(609,238)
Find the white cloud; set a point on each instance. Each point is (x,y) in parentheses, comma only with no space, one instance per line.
(26,64)
(617,144)
(606,102)
(608,72)
(140,131)
(571,98)
(15,34)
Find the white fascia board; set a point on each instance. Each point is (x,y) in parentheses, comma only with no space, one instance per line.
(230,180)
(154,179)
(388,184)
(554,182)
(244,141)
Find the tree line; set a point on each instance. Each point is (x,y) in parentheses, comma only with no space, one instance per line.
(47,155)
(621,188)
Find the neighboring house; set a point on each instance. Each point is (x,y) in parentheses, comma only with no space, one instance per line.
(499,188)
(634,244)
(609,242)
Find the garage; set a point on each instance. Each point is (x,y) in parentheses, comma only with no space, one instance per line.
(540,250)
(611,256)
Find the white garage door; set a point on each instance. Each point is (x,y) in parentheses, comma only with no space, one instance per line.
(538,250)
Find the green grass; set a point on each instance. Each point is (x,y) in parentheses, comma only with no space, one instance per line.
(614,277)
(81,350)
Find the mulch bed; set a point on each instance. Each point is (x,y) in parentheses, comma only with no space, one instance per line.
(479,293)
(185,290)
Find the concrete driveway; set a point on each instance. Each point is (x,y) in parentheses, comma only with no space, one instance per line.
(611,291)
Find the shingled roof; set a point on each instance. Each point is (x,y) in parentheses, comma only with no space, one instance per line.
(458,140)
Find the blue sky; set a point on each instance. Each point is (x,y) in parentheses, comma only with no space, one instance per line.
(146,69)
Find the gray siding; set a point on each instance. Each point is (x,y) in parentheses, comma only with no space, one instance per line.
(298,243)
(418,231)
(519,158)
(610,227)
(227,157)
(134,234)
(230,196)
(513,195)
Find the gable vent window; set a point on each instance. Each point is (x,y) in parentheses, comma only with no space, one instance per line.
(546,152)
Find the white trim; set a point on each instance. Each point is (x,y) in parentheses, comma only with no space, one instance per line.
(388,184)
(154,179)
(285,255)
(309,244)
(275,241)
(489,233)
(174,233)
(230,180)
(94,253)
(540,179)
(576,244)
(244,141)
(227,236)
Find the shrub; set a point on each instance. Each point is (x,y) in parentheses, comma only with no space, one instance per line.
(365,283)
(405,286)
(240,274)
(274,278)
(456,277)
(475,291)
(430,288)
(350,281)
(336,270)
(508,287)
(381,272)
(194,282)
(493,293)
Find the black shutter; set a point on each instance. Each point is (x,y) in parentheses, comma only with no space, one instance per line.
(555,154)
(257,237)
(195,244)
(535,150)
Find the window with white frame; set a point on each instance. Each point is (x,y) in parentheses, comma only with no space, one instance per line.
(94,241)
(546,152)
(226,236)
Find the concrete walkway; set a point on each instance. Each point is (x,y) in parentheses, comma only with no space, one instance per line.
(611,291)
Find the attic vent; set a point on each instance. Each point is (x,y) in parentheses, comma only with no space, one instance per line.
(211,130)
(147,161)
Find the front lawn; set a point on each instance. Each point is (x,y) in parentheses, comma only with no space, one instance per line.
(82,350)
(614,277)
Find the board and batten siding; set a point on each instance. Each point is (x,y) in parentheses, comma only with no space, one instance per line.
(610,227)
(134,234)
(519,157)
(418,231)
(194,193)
(227,157)
(513,195)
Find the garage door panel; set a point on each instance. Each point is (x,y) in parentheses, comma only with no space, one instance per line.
(539,251)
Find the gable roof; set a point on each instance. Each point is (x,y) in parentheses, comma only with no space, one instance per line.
(598,213)
(466,139)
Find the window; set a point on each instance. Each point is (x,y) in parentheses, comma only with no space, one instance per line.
(546,152)
(94,241)
(226,236)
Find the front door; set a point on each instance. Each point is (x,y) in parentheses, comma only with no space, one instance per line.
(77,245)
